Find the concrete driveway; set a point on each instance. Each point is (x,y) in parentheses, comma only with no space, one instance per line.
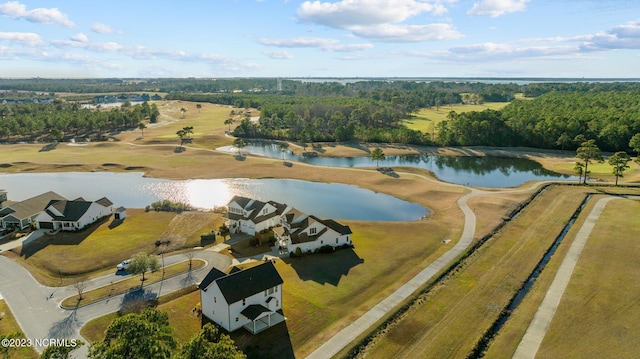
(36,307)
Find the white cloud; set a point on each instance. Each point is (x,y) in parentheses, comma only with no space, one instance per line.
(24,38)
(278,55)
(620,37)
(91,46)
(347,13)
(408,33)
(495,8)
(16,10)
(80,37)
(315,42)
(103,29)
(380,20)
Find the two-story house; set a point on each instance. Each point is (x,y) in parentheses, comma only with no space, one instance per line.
(73,215)
(310,232)
(248,298)
(251,216)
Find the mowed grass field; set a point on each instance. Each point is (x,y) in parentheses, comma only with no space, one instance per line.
(101,246)
(426,119)
(598,315)
(451,318)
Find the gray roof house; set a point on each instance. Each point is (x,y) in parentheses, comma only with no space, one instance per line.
(22,214)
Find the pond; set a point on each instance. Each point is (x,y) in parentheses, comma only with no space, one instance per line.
(132,190)
(466,170)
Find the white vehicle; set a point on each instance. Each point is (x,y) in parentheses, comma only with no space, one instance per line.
(123,265)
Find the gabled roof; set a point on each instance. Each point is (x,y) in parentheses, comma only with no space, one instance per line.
(31,206)
(104,202)
(342,229)
(254,311)
(71,210)
(241,201)
(210,277)
(243,284)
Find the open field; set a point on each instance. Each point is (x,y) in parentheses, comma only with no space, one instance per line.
(449,320)
(101,246)
(599,307)
(8,325)
(426,119)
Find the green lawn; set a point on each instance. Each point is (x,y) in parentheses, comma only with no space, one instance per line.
(427,118)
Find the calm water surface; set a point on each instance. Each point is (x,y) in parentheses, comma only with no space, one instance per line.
(328,200)
(466,170)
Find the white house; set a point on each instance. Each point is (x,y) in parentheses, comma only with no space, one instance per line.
(310,232)
(22,214)
(73,215)
(251,216)
(248,298)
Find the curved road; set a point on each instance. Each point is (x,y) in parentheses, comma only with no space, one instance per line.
(36,307)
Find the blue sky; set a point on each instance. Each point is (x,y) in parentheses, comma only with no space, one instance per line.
(324,38)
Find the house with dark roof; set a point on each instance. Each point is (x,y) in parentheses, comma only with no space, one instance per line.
(251,216)
(248,298)
(309,232)
(23,214)
(73,215)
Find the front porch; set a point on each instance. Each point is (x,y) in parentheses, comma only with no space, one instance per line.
(261,318)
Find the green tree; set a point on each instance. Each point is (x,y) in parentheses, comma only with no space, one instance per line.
(283,147)
(182,112)
(141,127)
(239,144)
(144,335)
(55,135)
(209,343)
(228,122)
(620,162)
(635,144)
(377,155)
(154,113)
(199,106)
(143,262)
(60,352)
(587,152)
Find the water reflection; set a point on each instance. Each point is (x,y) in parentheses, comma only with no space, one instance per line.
(329,200)
(474,171)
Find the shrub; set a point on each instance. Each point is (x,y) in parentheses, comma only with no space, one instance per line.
(168,206)
(298,252)
(326,249)
(211,236)
(253,242)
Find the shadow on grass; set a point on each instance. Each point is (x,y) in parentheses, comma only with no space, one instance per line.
(325,268)
(274,342)
(61,238)
(136,299)
(115,223)
(49,147)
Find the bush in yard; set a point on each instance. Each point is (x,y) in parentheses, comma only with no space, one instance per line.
(298,252)
(211,236)
(326,249)
(253,242)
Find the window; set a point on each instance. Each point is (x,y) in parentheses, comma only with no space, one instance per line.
(265,293)
(270,290)
(321,242)
(277,303)
(244,302)
(213,312)
(336,240)
(276,288)
(214,300)
(237,319)
(312,230)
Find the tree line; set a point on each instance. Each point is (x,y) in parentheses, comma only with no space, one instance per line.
(59,119)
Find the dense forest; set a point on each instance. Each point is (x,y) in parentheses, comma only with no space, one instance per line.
(551,116)
(59,120)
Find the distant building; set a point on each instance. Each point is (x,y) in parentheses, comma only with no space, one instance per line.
(248,298)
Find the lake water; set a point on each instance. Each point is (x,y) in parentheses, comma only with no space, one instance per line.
(328,200)
(473,171)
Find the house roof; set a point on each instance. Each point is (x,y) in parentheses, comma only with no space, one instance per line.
(210,277)
(342,229)
(239,285)
(241,201)
(254,311)
(105,202)
(31,206)
(121,209)
(71,210)
(254,207)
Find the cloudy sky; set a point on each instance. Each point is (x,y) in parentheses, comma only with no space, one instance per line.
(324,38)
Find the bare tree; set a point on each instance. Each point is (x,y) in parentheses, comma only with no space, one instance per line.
(80,285)
(190,257)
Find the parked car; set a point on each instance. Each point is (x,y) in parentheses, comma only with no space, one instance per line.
(123,265)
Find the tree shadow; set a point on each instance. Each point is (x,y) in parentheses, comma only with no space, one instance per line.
(240,157)
(66,327)
(49,147)
(136,299)
(325,268)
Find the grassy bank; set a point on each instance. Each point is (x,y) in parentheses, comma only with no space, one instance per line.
(8,325)
(448,320)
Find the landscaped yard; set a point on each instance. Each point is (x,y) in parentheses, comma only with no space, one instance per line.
(101,246)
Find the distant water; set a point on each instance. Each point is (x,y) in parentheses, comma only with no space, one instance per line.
(488,80)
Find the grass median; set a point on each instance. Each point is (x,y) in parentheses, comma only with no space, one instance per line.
(123,286)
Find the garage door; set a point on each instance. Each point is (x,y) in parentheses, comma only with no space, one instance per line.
(45,225)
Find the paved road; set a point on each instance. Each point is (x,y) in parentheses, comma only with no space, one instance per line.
(530,343)
(36,307)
